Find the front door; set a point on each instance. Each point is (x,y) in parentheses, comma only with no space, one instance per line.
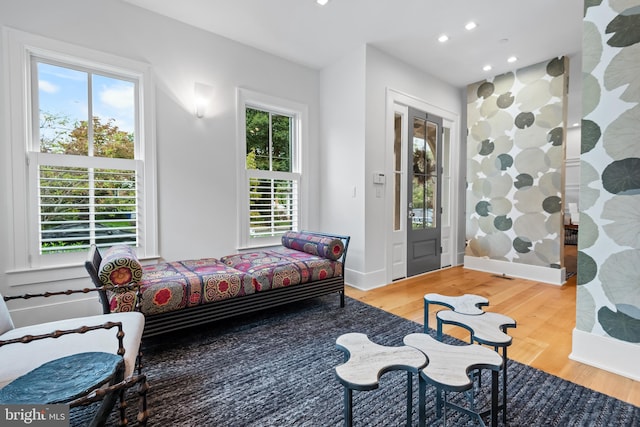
(424,189)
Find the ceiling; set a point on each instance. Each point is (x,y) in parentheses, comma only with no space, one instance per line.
(317,36)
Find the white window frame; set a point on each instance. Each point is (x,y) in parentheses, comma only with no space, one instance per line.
(299,112)
(19,48)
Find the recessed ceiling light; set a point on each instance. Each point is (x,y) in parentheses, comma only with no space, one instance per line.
(487,68)
(443,38)
(322,2)
(470,26)
(512,59)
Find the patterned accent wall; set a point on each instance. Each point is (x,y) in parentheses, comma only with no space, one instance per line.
(608,301)
(515,158)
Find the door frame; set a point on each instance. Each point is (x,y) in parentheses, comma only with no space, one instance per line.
(397,247)
(396,100)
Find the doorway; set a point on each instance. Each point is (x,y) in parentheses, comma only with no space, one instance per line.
(424,189)
(450,192)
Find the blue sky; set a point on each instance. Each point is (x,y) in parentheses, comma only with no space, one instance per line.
(64,91)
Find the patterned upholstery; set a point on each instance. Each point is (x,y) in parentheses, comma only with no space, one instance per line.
(325,247)
(318,268)
(283,267)
(176,285)
(120,267)
(171,286)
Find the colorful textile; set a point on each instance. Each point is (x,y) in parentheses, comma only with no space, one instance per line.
(267,270)
(325,247)
(174,285)
(319,268)
(120,267)
(171,286)
(283,267)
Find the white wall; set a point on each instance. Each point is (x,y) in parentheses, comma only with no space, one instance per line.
(196,157)
(342,135)
(353,93)
(386,72)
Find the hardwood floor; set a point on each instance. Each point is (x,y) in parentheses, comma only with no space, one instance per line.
(545,315)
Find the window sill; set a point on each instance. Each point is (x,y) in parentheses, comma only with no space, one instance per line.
(256,247)
(50,274)
(33,276)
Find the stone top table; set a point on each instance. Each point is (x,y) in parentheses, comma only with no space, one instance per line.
(448,369)
(487,328)
(449,365)
(366,361)
(465,304)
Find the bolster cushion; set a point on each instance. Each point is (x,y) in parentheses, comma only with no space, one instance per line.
(322,246)
(120,267)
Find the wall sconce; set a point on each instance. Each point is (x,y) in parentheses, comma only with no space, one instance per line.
(203,96)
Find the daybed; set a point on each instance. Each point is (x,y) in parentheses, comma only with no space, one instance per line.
(180,294)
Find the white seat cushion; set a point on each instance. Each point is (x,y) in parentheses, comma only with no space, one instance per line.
(18,359)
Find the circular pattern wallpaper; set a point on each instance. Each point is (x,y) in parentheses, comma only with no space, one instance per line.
(515,153)
(608,300)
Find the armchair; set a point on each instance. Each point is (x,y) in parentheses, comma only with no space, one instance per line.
(112,338)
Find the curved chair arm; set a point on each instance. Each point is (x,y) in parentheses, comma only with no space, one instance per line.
(72,291)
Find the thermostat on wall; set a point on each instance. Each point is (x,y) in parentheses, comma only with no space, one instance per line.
(378,178)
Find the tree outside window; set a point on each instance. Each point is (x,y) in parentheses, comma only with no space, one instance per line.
(84,115)
(273,186)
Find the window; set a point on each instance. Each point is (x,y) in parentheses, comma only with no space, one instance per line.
(85,121)
(88,141)
(270,140)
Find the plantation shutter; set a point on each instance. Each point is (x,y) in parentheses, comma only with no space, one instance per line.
(273,203)
(85,200)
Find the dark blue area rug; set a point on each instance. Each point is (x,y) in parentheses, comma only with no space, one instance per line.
(277,368)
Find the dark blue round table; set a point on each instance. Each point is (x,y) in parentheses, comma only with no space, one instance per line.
(65,379)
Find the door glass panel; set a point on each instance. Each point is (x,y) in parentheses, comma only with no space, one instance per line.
(446,175)
(397,143)
(425,174)
(432,174)
(397,175)
(417,212)
(397,188)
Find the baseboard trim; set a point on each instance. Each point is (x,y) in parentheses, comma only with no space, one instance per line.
(365,281)
(606,353)
(554,276)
